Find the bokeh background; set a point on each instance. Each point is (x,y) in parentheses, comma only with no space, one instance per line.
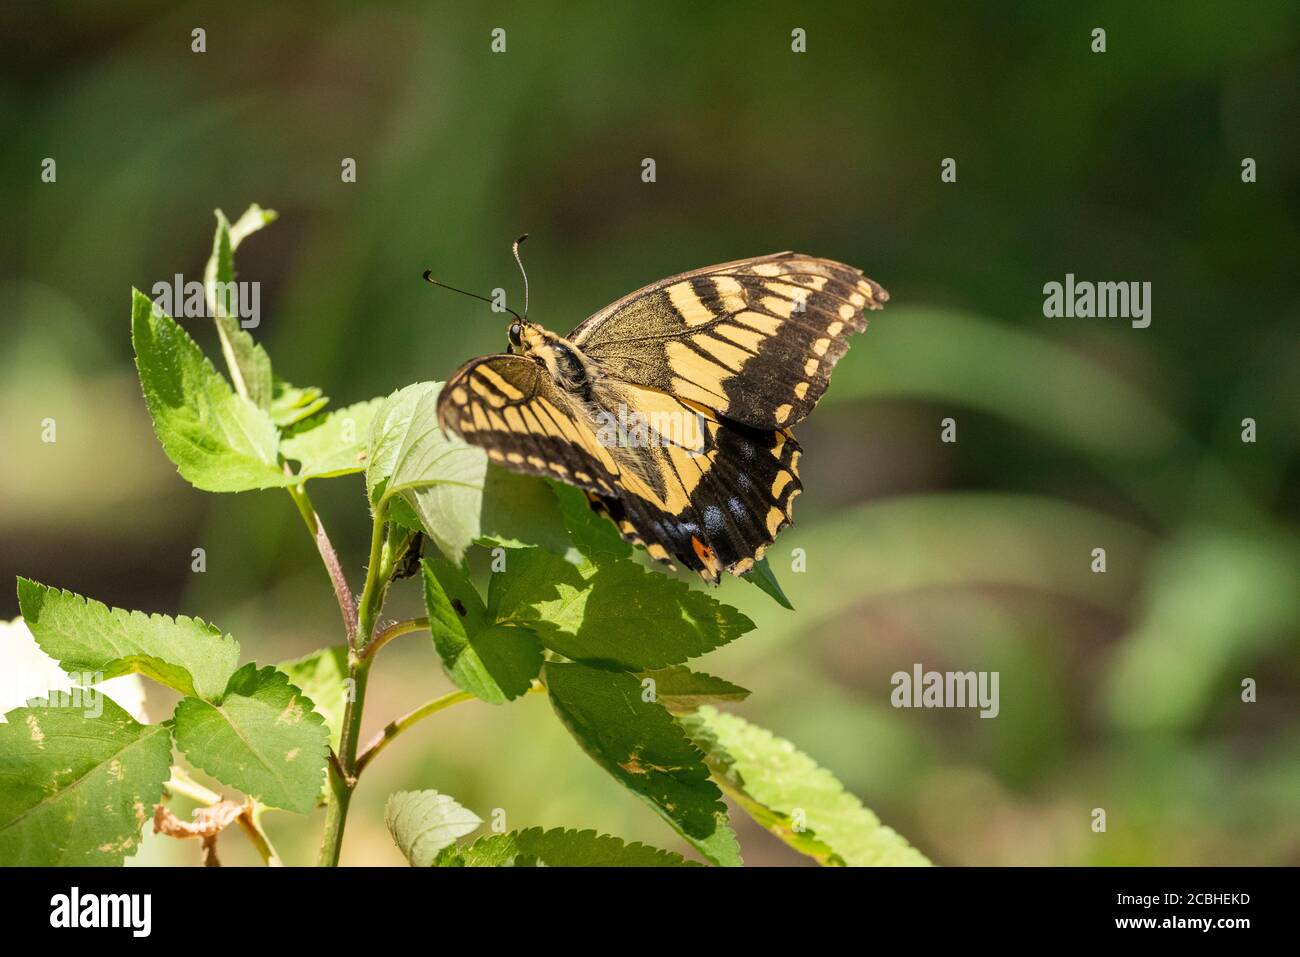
(1119,690)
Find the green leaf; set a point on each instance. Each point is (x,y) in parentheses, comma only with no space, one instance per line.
(556,848)
(763,578)
(86,636)
(332,444)
(424,822)
(790,795)
(248,360)
(264,738)
(219,441)
(439,477)
(321,676)
(496,663)
(530,575)
(594,535)
(616,613)
(74,789)
(645,750)
(681,690)
(290,404)
(520,510)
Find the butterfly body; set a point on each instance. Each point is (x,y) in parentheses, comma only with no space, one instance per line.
(671,408)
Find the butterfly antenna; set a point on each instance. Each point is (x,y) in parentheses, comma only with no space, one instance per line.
(515,250)
(428,277)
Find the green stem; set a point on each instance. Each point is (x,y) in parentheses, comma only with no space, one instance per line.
(181,784)
(394,728)
(354,620)
(251,822)
(395,630)
(376,583)
(316,528)
(298,493)
(343,775)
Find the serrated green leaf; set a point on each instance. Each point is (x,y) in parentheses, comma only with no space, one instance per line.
(681,690)
(322,677)
(439,477)
(424,822)
(616,613)
(264,738)
(520,510)
(556,848)
(332,444)
(496,663)
(76,789)
(593,535)
(530,575)
(645,750)
(790,795)
(88,637)
(763,578)
(248,360)
(219,441)
(290,404)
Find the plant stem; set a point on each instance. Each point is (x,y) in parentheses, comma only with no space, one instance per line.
(394,728)
(182,784)
(342,591)
(298,493)
(343,777)
(378,570)
(395,630)
(251,822)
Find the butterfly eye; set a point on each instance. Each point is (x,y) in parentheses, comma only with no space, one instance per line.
(515,335)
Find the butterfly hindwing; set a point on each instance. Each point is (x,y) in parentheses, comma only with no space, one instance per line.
(755,340)
(714,508)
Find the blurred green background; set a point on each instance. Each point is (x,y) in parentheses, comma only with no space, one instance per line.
(1119,690)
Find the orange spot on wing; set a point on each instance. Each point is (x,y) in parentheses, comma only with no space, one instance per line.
(706,556)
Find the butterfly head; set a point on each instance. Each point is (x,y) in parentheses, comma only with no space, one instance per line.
(515,336)
(525,338)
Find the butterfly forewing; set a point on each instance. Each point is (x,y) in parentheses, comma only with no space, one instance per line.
(509,406)
(756,339)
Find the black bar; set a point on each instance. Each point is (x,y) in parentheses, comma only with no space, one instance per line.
(974,905)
